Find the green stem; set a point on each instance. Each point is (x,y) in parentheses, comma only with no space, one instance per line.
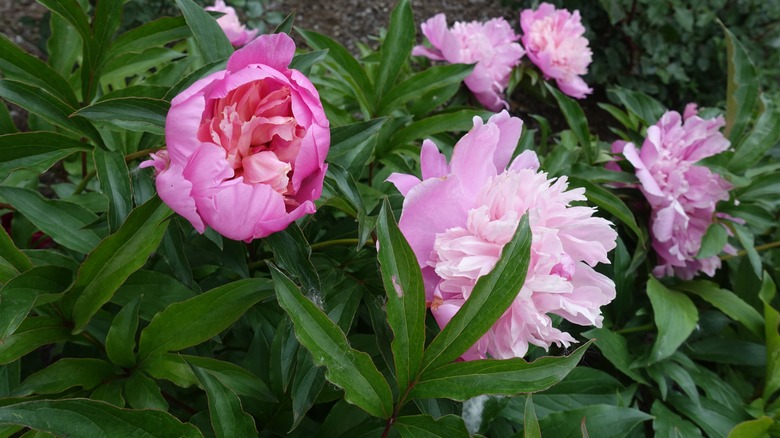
(335,242)
(764,247)
(128,158)
(637,329)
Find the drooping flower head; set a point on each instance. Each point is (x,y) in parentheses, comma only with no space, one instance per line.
(682,194)
(246,146)
(458,218)
(236,32)
(554,41)
(490,45)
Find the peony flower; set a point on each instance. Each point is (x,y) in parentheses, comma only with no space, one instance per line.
(235,31)
(458,218)
(490,45)
(682,195)
(554,42)
(246,146)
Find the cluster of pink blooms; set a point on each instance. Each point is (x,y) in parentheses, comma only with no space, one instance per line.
(553,40)
(236,32)
(682,195)
(246,146)
(460,215)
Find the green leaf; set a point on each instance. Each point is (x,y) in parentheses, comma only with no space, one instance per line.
(112,173)
(304,61)
(434,78)
(142,392)
(742,89)
(213,44)
(10,253)
(605,199)
(292,252)
(286,25)
(640,104)
(109,392)
(405,297)
(454,121)
(489,299)
(758,428)
(65,222)
(727,302)
(772,324)
(531,423)
(156,33)
(575,117)
(90,418)
(396,47)
(675,316)
(7,125)
(307,384)
(35,150)
(194,77)
(351,146)
(668,424)
(166,292)
(347,368)
(764,136)
(464,380)
(33,333)
(120,340)
(20,294)
(602,421)
(712,417)
(18,64)
(117,256)
(71,11)
(713,241)
(64,374)
(615,348)
(746,239)
(198,319)
(138,114)
(423,426)
(227,416)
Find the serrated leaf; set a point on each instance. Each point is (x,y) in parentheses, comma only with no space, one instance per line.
(489,299)
(213,43)
(120,340)
(675,317)
(347,368)
(227,416)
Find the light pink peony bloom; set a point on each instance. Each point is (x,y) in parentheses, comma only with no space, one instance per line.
(490,45)
(458,218)
(682,195)
(235,31)
(246,146)
(554,42)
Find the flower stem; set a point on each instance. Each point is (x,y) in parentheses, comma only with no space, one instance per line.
(637,329)
(335,242)
(764,247)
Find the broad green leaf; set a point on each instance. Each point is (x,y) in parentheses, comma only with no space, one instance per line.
(17,64)
(10,377)
(174,251)
(713,241)
(142,392)
(304,61)
(65,222)
(602,421)
(35,150)
(120,340)
(109,392)
(763,188)
(64,374)
(464,380)
(63,46)
(166,292)
(94,419)
(284,349)
(489,299)
(675,317)
(763,137)
(615,348)
(396,47)
(308,381)
(212,42)
(640,104)
(339,181)
(117,256)
(575,117)
(742,89)
(405,297)
(292,252)
(530,423)
(198,74)
(347,368)
(425,426)
(138,114)
(434,78)
(605,199)
(227,416)
(18,296)
(198,319)
(712,417)
(112,173)
(7,125)
(746,239)
(351,146)
(727,302)
(10,253)
(772,336)
(758,428)
(156,33)
(33,333)
(454,121)
(668,424)
(286,25)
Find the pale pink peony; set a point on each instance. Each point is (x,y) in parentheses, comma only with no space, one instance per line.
(490,45)
(246,146)
(234,30)
(554,42)
(682,195)
(458,218)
